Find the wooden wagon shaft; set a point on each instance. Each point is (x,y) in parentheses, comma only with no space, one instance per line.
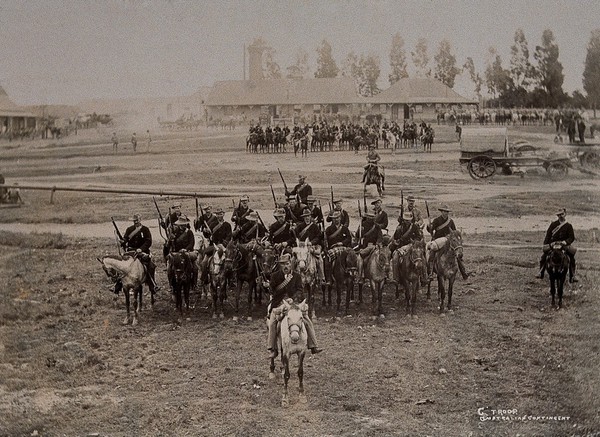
(114,190)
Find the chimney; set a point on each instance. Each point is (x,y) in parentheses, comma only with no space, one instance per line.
(255,51)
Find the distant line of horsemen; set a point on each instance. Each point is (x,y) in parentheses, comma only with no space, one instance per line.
(322,250)
(322,136)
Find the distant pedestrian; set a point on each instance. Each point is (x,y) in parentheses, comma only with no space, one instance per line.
(115,142)
(134,142)
(581,130)
(148,140)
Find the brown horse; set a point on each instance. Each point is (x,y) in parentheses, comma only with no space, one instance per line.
(130,271)
(245,269)
(557,266)
(182,277)
(343,271)
(220,271)
(410,269)
(375,176)
(446,267)
(376,270)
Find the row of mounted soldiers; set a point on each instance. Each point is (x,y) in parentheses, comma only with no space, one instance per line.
(322,136)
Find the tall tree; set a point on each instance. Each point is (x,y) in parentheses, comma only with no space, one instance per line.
(364,70)
(397,59)
(497,78)
(591,72)
(326,66)
(521,70)
(370,70)
(300,68)
(420,58)
(271,69)
(476,78)
(549,70)
(445,64)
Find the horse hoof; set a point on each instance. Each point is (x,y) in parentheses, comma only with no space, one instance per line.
(382,316)
(126,321)
(302,399)
(235,318)
(135,321)
(271,375)
(214,316)
(284,402)
(249,318)
(373,318)
(221,316)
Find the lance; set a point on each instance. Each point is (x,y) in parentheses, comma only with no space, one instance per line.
(117,235)
(282,180)
(273,193)
(401,204)
(161,222)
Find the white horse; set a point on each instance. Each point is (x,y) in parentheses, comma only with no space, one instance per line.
(132,274)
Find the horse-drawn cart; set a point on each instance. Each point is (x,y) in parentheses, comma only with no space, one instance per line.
(484,150)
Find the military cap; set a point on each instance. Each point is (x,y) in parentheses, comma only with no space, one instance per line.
(444,208)
(176,205)
(376,200)
(338,200)
(336,214)
(306,212)
(253,216)
(311,198)
(219,211)
(279,212)
(410,199)
(561,211)
(208,206)
(285,258)
(244,198)
(136,217)
(182,220)
(300,176)
(371,146)
(292,197)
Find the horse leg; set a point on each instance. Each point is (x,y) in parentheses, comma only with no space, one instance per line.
(127,302)
(441,292)
(251,290)
(450,287)
(238,292)
(407,295)
(186,296)
(301,376)
(552,287)
(360,291)
(286,377)
(380,299)
(137,301)
(311,302)
(215,296)
(561,283)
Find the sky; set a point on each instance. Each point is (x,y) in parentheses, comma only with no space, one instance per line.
(65,52)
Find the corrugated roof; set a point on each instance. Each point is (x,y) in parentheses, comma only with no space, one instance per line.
(419,90)
(284,92)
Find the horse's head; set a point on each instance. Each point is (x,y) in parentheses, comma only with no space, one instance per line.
(417,254)
(383,259)
(179,264)
(232,252)
(350,260)
(295,320)
(268,264)
(301,253)
(455,243)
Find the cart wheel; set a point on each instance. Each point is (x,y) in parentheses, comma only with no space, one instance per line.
(481,167)
(590,159)
(557,169)
(525,148)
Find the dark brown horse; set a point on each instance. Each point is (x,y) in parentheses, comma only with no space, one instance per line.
(375,176)
(220,272)
(181,278)
(343,271)
(245,270)
(557,266)
(410,269)
(446,267)
(376,270)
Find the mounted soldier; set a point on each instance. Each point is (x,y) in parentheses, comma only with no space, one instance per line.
(138,239)
(380,216)
(293,210)
(182,240)
(308,229)
(369,236)
(315,212)
(406,233)
(337,207)
(439,228)
(416,212)
(206,221)
(220,237)
(560,231)
(241,212)
(250,230)
(281,235)
(302,189)
(169,224)
(285,283)
(373,159)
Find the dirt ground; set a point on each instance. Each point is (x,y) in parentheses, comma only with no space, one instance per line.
(502,363)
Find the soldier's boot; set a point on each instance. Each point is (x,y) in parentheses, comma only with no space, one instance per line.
(572,267)
(540,275)
(461,267)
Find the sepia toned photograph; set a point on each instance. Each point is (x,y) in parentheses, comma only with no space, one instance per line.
(299,218)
